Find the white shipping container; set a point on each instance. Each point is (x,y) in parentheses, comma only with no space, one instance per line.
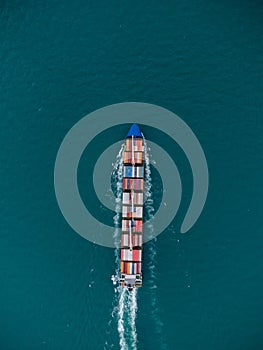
(125,240)
(139,171)
(138,212)
(137,198)
(126,198)
(124,211)
(127,254)
(124,225)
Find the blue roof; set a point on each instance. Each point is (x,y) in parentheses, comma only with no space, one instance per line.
(134,131)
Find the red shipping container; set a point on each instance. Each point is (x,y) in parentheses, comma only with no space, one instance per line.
(137,267)
(138,226)
(136,255)
(122,254)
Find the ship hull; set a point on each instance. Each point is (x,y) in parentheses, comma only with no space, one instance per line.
(132,210)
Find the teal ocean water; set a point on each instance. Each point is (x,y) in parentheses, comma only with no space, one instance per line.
(60,60)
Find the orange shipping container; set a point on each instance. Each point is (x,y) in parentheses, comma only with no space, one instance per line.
(136,157)
(122,267)
(129,268)
(137,144)
(133,184)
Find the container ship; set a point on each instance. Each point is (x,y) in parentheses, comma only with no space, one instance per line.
(132,209)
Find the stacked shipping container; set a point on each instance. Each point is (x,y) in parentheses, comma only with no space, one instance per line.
(132,211)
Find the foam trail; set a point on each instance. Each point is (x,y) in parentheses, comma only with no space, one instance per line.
(125,302)
(148,191)
(133,310)
(151,259)
(126,314)
(121,312)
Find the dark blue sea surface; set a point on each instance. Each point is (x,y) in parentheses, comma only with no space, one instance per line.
(203,60)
